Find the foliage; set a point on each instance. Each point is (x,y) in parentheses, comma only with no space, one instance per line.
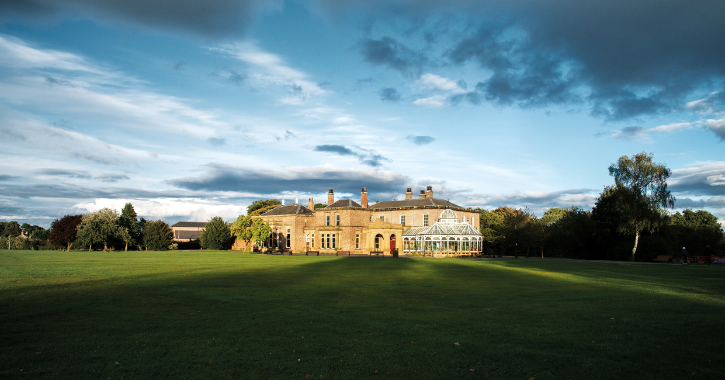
(262,203)
(569,232)
(11,228)
(262,210)
(63,231)
(514,229)
(129,223)
(216,234)
(697,230)
(639,192)
(157,235)
(320,205)
(99,227)
(250,229)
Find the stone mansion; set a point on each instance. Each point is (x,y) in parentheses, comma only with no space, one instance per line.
(409,225)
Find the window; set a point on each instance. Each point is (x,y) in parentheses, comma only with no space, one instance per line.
(288,238)
(307,241)
(328,241)
(327,220)
(333,241)
(425,220)
(377,242)
(337,220)
(313,240)
(402,220)
(382,217)
(357,241)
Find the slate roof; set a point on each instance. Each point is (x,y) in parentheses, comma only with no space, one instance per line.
(190,224)
(345,203)
(416,203)
(290,209)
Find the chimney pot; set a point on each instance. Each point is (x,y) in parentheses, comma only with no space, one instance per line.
(409,194)
(422,194)
(429,192)
(330,197)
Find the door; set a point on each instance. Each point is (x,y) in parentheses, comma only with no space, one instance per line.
(392,243)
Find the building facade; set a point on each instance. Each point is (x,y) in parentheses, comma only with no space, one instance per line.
(346,225)
(187,231)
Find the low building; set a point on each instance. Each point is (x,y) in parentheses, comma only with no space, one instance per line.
(187,231)
(346,225)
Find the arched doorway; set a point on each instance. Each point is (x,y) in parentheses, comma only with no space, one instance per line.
(378,242)
(392,243)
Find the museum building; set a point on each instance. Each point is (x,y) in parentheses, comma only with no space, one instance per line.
(423,224)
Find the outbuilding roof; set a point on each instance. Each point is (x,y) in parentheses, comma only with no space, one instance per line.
(290,209)
(190,224)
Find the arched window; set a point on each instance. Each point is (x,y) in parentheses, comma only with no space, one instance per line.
(307,241)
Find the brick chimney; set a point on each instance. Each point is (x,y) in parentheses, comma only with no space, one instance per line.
(364,197)
(429,192)
(330,197)
(422,194)
(409,194)
(311,204)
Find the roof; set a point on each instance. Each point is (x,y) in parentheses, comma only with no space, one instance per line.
(290,209)
(344,203)
(416,203)
(443,229)
(449,214)
(190,224)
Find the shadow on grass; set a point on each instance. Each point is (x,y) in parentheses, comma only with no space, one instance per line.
(289,317)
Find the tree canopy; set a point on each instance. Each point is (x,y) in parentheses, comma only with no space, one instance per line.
(99,227)
(250,229)
(262,203)
(216,234)
(157,235)
(129,223)
(63,231)
(639,193)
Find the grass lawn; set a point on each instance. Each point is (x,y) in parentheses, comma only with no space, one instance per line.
(209,315)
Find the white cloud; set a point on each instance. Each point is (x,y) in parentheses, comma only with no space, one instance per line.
(269,70)
(193,209)
(436,101)
(439,83)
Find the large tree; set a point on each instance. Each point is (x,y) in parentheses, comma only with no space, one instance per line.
(216,234)
(640,193)
(129,222)
(99,227)
(250,229)
(157,235)
(697,230)
(63,231)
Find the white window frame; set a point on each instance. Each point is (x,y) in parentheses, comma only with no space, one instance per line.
(402,220)
(425,220)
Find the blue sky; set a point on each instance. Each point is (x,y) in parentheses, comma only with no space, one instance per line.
(193,109)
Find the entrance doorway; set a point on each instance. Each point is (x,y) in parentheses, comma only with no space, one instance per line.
(392,243)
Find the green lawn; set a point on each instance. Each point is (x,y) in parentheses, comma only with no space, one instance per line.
(223,315)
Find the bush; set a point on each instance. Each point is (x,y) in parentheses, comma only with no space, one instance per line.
(157,235)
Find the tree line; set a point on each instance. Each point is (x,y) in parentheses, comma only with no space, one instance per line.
(629,221)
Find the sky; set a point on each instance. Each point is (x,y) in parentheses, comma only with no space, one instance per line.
(191,109)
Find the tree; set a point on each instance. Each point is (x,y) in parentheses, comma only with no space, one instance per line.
(157,235)
(63,231)
(262,203)
(250,229)
(128,222)
(216,234)
(513,228)
(641,192)
(262,210)
(99,227)
(697,230)
(11,230)
(320,205)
